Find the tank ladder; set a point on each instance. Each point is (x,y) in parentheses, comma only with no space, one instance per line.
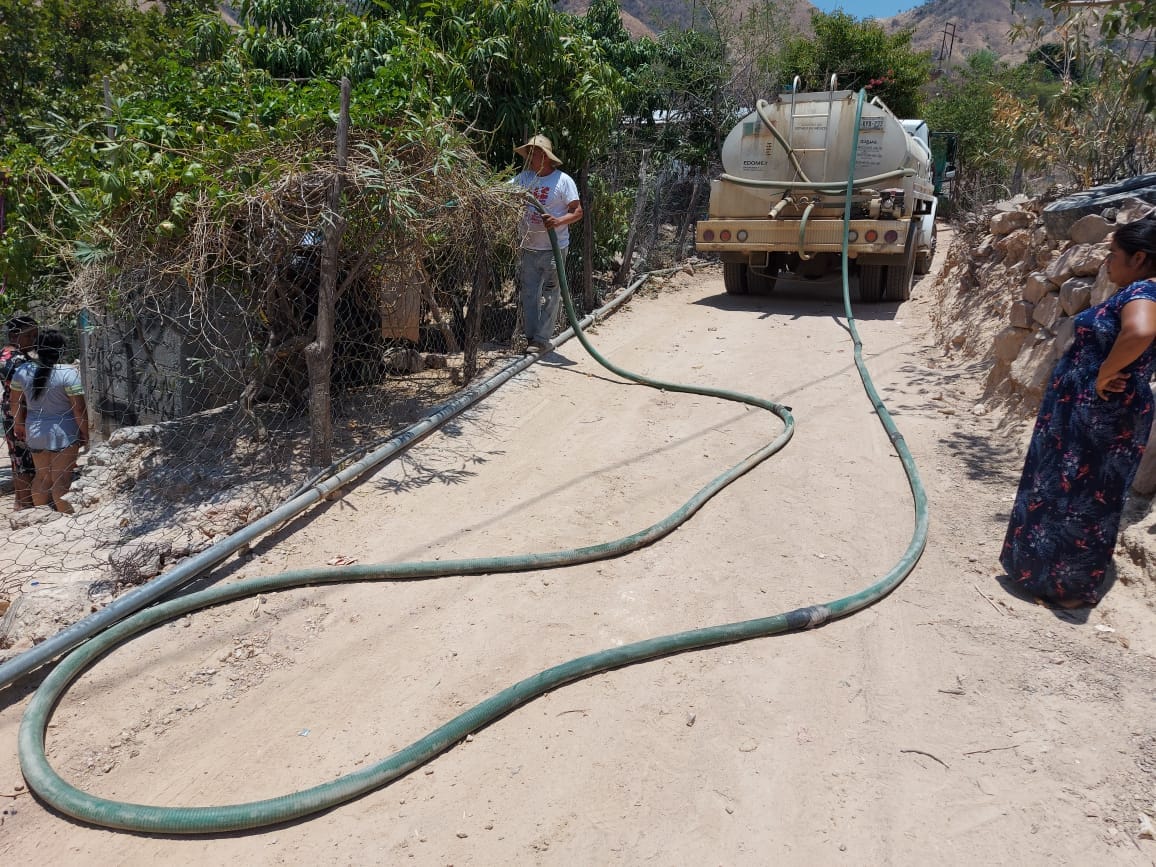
(826,115)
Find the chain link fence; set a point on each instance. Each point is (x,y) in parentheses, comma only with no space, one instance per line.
(197,381)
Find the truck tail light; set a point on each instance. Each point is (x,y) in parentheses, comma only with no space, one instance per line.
(708,234)
(891,236)
(724,235)
(870,236)
(742,234)
(852,236)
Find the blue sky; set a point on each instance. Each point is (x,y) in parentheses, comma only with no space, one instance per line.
(868,8)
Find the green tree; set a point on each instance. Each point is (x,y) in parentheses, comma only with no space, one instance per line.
(169,141)
(1115,35)
(863,55)
(55,52)
(627,57)
(966,103)
(520,67)
(688,80)
(1095,121)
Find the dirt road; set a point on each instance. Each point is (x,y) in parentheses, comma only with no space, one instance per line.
(948,724)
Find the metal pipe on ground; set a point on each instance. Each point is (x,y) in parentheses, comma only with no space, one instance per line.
(192,568)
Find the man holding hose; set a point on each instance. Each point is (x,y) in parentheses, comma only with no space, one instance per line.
(557,193)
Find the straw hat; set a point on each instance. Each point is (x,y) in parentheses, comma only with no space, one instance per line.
(543,144)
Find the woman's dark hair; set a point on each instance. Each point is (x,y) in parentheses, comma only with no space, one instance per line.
(1138,237)
(48,349)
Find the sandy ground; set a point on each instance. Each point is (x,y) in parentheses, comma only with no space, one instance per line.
(950,723)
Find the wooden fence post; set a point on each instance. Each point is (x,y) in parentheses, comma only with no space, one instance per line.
(639,201)
(589,207)
(657,204)
(479,299)
(319,353)
(680,242)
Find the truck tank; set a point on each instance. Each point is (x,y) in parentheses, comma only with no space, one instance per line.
(778,205)
(818,127)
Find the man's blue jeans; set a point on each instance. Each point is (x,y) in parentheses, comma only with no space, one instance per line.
(541,293)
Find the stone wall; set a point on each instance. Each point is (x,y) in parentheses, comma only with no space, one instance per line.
(1063,276)
(1009,290)
(1006,297)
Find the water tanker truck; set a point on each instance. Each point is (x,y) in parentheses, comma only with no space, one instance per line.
(778,206)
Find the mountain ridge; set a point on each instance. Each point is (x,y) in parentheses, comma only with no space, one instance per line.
(978,25)
(949,29)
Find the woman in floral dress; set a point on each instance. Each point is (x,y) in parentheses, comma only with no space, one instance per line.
(1089,437)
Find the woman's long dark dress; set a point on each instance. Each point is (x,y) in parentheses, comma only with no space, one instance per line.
(1083,456)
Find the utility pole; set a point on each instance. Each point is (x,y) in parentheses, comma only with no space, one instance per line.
(947,46)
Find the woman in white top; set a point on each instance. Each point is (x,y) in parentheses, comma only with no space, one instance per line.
(51,418)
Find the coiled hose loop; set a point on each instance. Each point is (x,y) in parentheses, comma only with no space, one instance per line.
(61,795)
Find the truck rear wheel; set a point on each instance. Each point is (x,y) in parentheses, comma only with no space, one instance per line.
(735,278)
(901,274)
(760,284)
(897,283)
(870,283)
(761,281)
(923,259)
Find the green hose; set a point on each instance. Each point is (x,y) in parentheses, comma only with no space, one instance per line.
(66,798)
(803,233)
(761,108)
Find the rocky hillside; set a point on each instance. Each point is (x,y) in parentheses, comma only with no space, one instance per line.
(634,26)
(1006,297)
(1010,287)
(651,17)
(978,24)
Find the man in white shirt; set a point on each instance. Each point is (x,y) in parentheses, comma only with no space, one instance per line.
(537,269)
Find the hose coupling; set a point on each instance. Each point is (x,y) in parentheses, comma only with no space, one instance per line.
(779,205)
(809,617)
